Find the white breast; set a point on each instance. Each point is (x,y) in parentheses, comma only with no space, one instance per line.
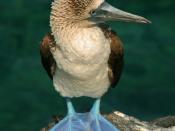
(82,64)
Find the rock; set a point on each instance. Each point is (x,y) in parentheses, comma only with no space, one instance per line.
(129,123)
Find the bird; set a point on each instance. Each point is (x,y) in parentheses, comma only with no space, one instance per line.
(83,56)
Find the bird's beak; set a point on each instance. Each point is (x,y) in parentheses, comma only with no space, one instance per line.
(107,12)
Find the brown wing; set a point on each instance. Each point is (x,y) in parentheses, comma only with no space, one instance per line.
(46,56)
(116,57)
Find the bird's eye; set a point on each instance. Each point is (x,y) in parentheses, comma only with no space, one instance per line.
(92,12)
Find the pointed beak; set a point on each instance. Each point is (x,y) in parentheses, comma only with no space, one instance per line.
(106,12)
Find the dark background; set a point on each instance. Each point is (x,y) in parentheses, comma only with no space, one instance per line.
(146,89)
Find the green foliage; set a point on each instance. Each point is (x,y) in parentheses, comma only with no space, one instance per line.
(146,89)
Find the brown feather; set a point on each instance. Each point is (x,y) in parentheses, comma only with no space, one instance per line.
(115,61)
(46,56)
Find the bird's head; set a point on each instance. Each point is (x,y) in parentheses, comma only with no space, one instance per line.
(92,11)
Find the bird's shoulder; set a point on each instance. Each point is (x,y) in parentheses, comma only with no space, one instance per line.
(47,59)
(115,42)
(115,62)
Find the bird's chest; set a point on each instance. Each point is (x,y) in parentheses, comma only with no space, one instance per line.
(87,46)
(84,55)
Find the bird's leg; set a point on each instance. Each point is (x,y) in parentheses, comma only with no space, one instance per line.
(96,107)
(70,108)
(97,121)
(72,122)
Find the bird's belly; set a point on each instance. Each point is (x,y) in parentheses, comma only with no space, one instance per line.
(82,77)
(92,83)
(82,65)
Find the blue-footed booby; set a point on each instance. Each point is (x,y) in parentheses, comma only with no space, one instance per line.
(84,57)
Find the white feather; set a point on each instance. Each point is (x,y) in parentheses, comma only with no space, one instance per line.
(82,60)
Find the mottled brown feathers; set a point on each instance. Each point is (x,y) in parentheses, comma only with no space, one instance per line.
(71,8)
(46,57)
(79,6)
(115,61)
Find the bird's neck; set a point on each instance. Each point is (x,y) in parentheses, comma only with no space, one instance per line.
(63,30)
(64,23)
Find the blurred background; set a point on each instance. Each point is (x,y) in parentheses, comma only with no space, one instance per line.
(146,89)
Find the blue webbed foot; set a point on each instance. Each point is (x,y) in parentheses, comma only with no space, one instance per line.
(92,121)
(98,122)
(72,122)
